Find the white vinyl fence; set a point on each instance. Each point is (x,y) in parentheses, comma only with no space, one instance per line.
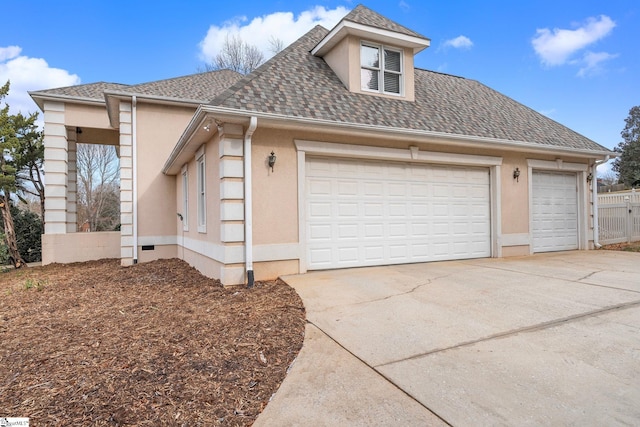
(619,217)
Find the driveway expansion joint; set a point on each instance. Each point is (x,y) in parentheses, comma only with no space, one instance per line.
(389,380)
(525,329)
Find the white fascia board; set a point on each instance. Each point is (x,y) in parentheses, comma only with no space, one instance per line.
(376,34)
(40,98)
(208,112)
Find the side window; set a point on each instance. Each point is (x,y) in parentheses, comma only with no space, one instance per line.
(202,200)
(185,198)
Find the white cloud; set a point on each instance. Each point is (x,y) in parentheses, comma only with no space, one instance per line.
(28,74)
(557,46)
(460,42)
(9,52)
(260,30)
(592,62)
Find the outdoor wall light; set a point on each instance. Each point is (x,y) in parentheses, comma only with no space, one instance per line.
(516,174)
(207,127)
(590,177)
(272,160)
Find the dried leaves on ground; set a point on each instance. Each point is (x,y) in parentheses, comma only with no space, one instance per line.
(627,247)
(154,344)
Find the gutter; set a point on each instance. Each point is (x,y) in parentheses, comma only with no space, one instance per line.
(594,191)
(134,161)
(420,136)
(248,201)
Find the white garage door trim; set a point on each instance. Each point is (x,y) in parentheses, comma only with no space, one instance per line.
(579,170)
(408,155)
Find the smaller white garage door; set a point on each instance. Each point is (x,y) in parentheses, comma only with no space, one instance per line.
(364,213)
(555,211)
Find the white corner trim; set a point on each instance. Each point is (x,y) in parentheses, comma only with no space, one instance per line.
(557,165)
(384,153)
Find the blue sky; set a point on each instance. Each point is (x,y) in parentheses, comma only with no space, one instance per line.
(577,62)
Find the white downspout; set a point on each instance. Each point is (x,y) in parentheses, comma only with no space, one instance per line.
(248,201)
(594,190)
(134,161)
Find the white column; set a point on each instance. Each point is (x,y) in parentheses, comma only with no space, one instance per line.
(72,179)
(126,185)
(55,169)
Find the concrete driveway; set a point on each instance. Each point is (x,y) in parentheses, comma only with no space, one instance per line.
(550,339)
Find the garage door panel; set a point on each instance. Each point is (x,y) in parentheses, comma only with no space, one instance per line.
(385,213)
(554,211)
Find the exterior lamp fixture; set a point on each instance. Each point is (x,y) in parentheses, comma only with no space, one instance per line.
(272,160)
(590,177)
(207,127)
(516,174)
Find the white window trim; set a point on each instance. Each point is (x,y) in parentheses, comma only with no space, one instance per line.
(185,198)
(201,188)
(381,70)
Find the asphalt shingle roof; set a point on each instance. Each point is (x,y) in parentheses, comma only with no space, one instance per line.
(201,87)
(296,83)
(365,16)
(88,91)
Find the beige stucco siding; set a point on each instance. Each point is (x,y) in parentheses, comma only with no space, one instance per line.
(276,193)
(156,191)
(86,116)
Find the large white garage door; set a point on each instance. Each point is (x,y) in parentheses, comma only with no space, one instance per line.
(555,211)
(362,213)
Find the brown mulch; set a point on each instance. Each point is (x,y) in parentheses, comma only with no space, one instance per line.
(154,344)
(627,247)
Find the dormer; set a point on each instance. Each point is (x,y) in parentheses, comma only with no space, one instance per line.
(373,55)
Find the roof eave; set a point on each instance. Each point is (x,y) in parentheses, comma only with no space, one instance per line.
(194,135)
(113,98)
(346,28)
(40,97)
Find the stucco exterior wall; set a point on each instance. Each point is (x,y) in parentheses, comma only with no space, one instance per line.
(79,247)
(158,128)
(277,248)
(275,193)
(89,116)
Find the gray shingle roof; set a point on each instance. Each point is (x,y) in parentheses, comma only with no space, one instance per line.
(201,87)
(363,15)
(87,91)
(298,84)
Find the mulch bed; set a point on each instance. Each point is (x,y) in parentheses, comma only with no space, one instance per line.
(154,344)
(627,247)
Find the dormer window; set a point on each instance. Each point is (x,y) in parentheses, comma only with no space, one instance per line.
(380,69)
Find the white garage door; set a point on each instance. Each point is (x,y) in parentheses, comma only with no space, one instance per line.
(555,211)
(363,213)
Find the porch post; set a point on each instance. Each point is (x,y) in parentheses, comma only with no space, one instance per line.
(72,179)
(55,169)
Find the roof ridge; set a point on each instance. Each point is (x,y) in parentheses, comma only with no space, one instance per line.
(366,16)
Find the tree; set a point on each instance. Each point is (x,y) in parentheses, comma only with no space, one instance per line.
(98,196)
(237,55)
(17,132)
(29,158)
(27,226)
(628,164)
